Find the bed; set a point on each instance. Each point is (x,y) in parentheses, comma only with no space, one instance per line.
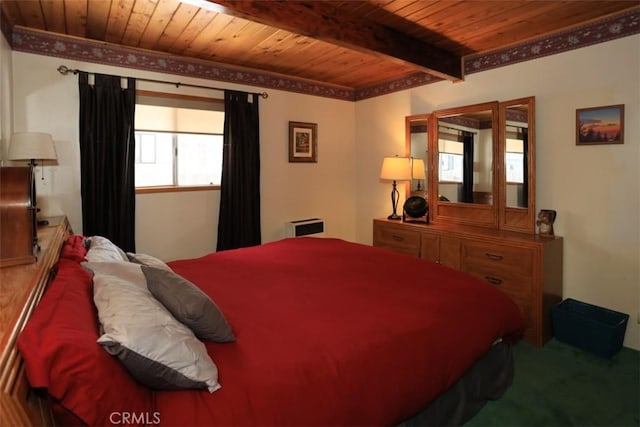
(324,332)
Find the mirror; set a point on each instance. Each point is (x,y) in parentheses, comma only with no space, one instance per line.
(515,155)
(417,142)
(498,190)
(465,157)
(517,138)
(463,143)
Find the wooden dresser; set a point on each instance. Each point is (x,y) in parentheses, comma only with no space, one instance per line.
(17,216)
(21,288)
(526,267)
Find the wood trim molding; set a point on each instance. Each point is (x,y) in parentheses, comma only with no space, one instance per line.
(21,290)
(176,188)
(168,95)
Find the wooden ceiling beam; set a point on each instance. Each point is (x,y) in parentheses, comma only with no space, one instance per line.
(319,20)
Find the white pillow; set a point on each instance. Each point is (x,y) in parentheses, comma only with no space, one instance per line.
(128,271)
(156,349)
(103,249)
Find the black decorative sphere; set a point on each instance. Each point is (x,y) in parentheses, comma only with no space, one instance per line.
(416,206)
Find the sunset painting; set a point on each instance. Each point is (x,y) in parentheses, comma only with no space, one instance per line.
(600,125)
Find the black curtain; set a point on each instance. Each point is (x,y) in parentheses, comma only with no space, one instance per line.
(467,168)
(525,168)
(107,157)
(239,220)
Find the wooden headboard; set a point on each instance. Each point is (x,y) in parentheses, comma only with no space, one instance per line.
(21,288)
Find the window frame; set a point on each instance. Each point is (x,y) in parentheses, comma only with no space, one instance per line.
(176,188)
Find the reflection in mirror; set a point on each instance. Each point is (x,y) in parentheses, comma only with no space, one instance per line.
(465,158)
(516,154)
(418,152)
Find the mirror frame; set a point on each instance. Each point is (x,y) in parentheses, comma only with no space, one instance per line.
(515,218)
(464,213)
(407,147)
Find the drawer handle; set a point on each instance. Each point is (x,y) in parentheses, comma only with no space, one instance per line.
(493,256)
(397,238)
(493,280)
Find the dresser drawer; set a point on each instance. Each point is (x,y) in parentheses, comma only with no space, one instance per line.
(498,257)
(514,284)
(519,289)
(397,239)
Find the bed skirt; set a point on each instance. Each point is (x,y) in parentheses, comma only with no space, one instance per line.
(487,379)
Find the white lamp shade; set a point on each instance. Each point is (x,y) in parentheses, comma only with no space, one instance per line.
(396,168)
(417,170)
(32,145)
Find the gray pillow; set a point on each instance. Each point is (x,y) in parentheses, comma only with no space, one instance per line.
(155,348)
(188,304)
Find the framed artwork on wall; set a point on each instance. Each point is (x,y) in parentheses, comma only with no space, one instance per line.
(303,142)
(600,125)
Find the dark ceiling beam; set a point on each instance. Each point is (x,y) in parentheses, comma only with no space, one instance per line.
(319,20)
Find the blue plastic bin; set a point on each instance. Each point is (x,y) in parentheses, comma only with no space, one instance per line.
(589,327)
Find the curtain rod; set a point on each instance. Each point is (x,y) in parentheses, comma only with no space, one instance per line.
(66,70)
(457,130)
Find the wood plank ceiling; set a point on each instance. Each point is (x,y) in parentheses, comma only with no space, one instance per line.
(351,44)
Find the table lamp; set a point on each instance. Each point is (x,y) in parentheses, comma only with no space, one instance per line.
(395,169)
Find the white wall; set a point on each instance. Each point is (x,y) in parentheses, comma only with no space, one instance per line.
(6,95)
(595,190)
(181,225)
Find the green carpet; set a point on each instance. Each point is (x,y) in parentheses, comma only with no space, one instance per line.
(560,385)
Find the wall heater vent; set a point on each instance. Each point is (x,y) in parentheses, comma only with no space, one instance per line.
(305,227)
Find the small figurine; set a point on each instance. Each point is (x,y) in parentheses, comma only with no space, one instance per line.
(546,218)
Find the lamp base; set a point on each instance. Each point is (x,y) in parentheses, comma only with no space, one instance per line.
(394,216)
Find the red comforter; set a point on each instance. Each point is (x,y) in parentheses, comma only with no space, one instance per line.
(334,333)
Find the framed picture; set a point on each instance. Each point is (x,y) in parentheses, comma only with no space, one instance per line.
(600,125)
(303,142)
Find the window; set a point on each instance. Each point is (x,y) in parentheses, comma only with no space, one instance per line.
(178,142)
(514,161)
(154,159)
(450,167)
(515,169)
(165,158)
(450,160)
